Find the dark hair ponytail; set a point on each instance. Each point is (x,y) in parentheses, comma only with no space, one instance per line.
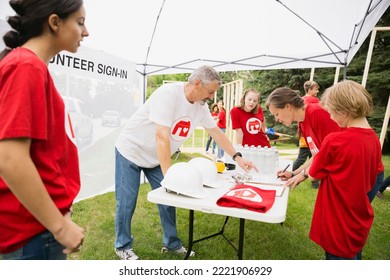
(282,96)
(30,18)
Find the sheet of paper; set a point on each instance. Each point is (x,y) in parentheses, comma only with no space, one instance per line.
(279,189)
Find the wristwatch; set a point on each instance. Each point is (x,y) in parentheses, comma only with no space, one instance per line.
(304,174)
(238,154)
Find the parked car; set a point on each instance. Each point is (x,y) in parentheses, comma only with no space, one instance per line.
(111,118)
(82,123)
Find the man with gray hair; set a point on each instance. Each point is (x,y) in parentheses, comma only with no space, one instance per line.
(153,133)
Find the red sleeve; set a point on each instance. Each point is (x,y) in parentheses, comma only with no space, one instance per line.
(234,116)
(261,114)
(318,168)
(23,105)
(222,119)
(324,125)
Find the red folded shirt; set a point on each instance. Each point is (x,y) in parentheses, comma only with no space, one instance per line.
(248,197)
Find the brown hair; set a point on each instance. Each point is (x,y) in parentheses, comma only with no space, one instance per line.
(282,96)
(309,85)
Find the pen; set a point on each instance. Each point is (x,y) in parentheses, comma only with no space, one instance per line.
(283,170)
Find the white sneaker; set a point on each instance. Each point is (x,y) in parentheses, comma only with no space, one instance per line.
(126,254)
(180,251)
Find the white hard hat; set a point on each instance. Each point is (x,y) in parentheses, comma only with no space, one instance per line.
(209,173)
(183,178)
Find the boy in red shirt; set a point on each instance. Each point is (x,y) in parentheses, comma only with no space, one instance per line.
(347,165)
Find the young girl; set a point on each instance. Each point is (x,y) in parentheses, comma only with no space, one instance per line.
(38,161)
(248,121)
(347,165)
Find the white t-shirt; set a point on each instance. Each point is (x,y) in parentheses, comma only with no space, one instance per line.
(167,106)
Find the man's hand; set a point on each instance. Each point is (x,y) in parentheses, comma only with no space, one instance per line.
(246,165)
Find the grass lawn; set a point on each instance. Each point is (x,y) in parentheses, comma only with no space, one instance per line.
(262,241)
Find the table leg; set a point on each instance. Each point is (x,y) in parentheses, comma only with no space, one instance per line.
(191,241)
(241,239)
(190,234)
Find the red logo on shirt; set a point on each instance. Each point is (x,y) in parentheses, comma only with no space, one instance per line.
(181,129)
(253,125)
(247,194)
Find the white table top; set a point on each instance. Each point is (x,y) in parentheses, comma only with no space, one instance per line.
(276,214)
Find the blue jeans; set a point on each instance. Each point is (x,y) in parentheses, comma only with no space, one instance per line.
(331,257)
(41,247)
(384,184)
(221,152)
(379,179)
(209,142)
(127,183)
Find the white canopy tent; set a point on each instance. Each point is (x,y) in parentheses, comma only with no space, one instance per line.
(175,36)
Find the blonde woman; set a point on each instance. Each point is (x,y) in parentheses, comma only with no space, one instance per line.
(248,120)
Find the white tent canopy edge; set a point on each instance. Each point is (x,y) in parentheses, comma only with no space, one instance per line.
(177,36)
(251,35)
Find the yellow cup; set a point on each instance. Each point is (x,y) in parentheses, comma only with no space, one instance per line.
(220,166)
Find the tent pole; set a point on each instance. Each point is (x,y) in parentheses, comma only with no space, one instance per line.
(385,124)
(369,56)
(345,73)
(365,75)
(312,74)
(145,87)
(336,75)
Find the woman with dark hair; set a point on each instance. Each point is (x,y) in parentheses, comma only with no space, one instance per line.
(248,120)
(314,122)
(39,170)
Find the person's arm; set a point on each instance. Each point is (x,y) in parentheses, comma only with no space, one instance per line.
(295,177)
(163,147)
(22,178)
(225,144)
(264,126)
(239,136)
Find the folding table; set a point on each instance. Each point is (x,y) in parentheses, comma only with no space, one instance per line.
(277,214)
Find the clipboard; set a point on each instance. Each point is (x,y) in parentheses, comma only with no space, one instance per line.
(278,187)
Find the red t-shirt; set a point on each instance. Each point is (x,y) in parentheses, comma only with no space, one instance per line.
(214,114)
(310,99)
(222,119)
(250,125)
(347,166)
(31,107)
(248,197)
(316,126)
